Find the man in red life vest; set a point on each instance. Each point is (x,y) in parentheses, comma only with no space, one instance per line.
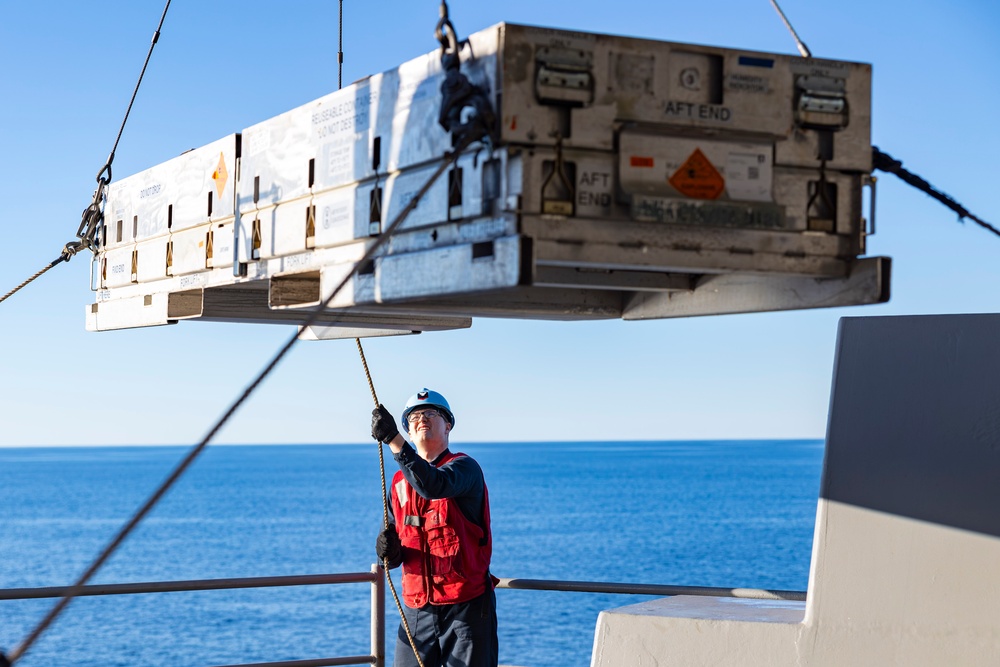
(440,533)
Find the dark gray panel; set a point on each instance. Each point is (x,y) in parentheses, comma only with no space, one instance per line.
(914,424)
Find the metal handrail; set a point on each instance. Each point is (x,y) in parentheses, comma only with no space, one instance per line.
(376,579)
(649,589)
(189,585)
(361,577)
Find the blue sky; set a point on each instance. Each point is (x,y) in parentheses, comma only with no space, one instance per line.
(219,67)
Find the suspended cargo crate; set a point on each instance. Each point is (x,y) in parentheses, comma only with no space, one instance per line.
(621,178)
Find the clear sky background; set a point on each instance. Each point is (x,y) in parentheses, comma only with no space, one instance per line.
(69,68)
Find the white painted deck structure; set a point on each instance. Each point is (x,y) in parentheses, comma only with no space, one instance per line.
(907,544)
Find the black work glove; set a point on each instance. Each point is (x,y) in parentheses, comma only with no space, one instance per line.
(383,425)
(388,548)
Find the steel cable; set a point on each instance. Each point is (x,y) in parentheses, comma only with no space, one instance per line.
(62,258)
(340,47)
(135,92)
(803,49)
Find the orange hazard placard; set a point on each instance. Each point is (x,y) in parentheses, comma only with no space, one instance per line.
(220,175)
(698,178)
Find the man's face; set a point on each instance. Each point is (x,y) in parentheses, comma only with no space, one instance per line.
(428,425)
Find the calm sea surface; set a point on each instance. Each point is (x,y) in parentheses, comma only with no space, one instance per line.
(728,513)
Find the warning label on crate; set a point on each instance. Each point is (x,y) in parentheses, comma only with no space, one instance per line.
(698,178)
(220,175)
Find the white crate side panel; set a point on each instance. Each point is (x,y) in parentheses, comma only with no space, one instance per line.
(203,171)
(472,187)
(137,208)
(399,107)
(400,189)
(343,215)
(181,186)
(282,232)
(450,270)
(118,216)
(244,236)
(410,133)
(283,229)
(222,244)
(189,248)
(117,268)
(333,130)
(336,213)
(151,259)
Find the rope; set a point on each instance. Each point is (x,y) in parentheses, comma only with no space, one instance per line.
(75,589)
(885,162)
(385,514)
(61,258)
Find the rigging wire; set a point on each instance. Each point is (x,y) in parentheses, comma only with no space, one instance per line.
(75,589)
(803,49)
(135,91)
(887,163)
(340,47)
(61,258)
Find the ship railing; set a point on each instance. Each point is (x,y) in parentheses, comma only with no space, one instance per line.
(376,580)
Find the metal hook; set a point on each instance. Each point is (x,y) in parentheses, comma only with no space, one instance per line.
(445,32)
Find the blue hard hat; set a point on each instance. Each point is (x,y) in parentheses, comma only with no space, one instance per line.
(427,398)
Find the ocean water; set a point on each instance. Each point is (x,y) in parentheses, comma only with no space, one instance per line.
(704,513)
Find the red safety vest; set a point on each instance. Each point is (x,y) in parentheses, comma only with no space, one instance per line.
(446,557)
